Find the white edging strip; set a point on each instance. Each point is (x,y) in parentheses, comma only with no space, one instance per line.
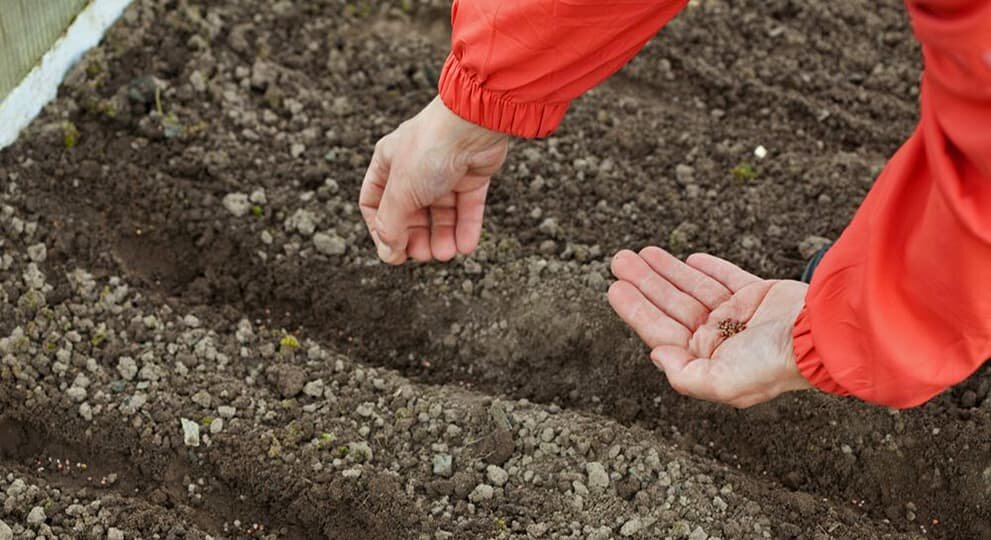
(41,84)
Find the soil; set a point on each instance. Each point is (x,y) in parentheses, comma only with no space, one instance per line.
(202,258)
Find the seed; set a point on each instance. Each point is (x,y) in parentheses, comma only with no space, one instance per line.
(730,327)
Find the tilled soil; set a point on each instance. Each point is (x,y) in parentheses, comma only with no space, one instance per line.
(198,341)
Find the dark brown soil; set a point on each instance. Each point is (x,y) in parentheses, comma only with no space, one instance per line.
(827,88)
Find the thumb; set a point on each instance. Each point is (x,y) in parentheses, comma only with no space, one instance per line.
(391,232)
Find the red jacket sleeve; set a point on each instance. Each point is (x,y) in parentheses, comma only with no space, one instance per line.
(515,65)
(900,307)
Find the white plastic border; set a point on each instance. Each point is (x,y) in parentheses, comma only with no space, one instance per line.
(41,84)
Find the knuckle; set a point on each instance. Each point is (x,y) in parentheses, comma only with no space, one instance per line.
(380,145)
(383,232)
(417,194)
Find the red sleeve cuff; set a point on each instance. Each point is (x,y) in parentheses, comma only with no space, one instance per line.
(463,94)
(808,360)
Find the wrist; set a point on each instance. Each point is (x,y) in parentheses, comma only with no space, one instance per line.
(793,377)
(467,135)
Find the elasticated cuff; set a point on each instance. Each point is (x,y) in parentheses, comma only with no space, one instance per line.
(808,360)
(462,93)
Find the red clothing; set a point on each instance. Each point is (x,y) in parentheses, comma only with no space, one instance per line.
(898,309)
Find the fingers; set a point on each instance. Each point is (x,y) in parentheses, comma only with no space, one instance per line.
(384,208)
(452,224)
(419,244)
(704,288)
(392,222)
(470,211)
(730,275)
(372,188)
(685,309)
(653,326)
(443,218)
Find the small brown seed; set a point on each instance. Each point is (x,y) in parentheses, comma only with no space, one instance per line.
(730,327)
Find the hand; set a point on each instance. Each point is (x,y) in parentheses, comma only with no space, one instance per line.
(423,196)
(718,332)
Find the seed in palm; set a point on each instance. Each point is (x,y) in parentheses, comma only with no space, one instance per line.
(730,327)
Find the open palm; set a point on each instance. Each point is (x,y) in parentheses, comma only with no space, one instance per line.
(719,333)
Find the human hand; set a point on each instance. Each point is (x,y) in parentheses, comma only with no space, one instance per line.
(423,196)
(718,332)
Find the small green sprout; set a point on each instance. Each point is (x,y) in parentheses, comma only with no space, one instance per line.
(158,101)
(107,108)
(171,126)
(361,10)
(275,449)
(70,135)
(257,211)
(289,341)
(744,171)
(325,439)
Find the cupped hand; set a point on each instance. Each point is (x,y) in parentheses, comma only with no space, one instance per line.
(423,196)
(718,332)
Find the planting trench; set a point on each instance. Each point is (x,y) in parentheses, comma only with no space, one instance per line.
(645,159)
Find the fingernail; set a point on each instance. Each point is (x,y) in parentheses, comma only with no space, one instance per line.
(385,252)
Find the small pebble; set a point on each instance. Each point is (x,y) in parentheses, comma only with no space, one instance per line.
(598,478)
(602,533)
(698,534)
(443,465)
(497,475)
(631,527)
(314,388)
(329,243)
(190,432)
(202,398)
(36,516)
(127,368)
(237,204)
(38,253)
(482,492)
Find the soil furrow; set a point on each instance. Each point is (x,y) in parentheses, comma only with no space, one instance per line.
(280,108)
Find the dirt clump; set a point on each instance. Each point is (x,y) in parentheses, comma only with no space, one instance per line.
(197,254)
